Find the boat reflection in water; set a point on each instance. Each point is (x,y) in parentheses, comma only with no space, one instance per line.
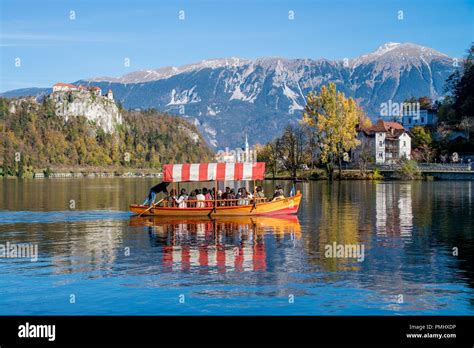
(221,245)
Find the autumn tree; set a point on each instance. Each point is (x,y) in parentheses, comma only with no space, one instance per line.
(291,148)
(422,144)
(269,153)
(334,119)
(425,103)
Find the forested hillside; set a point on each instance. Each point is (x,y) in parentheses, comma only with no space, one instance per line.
(33,137)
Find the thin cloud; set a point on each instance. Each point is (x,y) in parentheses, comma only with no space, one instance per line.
(28,39)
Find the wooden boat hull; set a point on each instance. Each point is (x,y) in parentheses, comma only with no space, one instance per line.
(285,206)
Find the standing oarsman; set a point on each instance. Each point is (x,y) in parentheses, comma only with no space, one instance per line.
(161,187)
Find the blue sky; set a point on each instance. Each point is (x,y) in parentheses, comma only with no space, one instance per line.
(52,47)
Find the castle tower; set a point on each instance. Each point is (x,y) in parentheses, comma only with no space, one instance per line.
(110,94)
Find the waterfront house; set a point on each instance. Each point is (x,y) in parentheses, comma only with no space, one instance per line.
(386,142)
(420,118)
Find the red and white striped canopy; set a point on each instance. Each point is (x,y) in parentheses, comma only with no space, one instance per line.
(213,171)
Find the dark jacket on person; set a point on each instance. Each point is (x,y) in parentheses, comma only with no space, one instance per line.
(161,187)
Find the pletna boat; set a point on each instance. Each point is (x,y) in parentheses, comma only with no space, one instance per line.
(215,172)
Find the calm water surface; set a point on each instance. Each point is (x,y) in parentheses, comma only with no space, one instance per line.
(93,251)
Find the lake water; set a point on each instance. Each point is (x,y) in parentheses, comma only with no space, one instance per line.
(94,258)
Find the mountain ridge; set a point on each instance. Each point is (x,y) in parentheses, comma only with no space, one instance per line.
(169,71)
(227,97)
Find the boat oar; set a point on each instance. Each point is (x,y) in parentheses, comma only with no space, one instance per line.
(151,206)
(254,205)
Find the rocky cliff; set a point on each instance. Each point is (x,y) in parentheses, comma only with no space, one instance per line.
(98,109)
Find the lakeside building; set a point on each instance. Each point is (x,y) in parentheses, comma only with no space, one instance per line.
(387,142)
(420,118)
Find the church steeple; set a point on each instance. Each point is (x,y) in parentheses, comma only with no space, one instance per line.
(247,149)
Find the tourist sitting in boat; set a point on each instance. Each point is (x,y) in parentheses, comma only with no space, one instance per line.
(161,187)
(192,198)
(278,193)
(207,196)
(170,198)
(247,195)
(215,195)
(225,196)
(238,195)
(243,197)
(231,197)
(259,194)
(181,200)
(200,199)
(226,193)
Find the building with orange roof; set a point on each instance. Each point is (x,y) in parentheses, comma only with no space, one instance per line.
(67,87)
(64,87)
(387,142)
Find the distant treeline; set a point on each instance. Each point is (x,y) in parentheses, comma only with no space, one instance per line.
(33,137)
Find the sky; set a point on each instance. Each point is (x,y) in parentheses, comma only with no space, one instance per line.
(43,42)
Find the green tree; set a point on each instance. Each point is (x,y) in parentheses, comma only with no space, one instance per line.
(422,144)
(408,170)
(459,102)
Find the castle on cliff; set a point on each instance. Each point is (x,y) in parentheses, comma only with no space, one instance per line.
(67,87)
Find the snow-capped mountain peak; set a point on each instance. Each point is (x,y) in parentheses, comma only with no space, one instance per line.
(386,48)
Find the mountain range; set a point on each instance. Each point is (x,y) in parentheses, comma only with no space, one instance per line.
(231,97)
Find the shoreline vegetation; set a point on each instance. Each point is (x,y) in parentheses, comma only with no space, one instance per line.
(401,173)
(409,171)
(35,139)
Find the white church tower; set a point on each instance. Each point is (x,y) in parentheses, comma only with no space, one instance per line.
(247,150)
(110,94)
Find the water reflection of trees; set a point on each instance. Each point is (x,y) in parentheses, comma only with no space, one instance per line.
(408,230)
(79,246)
(87,193)
(338,214)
